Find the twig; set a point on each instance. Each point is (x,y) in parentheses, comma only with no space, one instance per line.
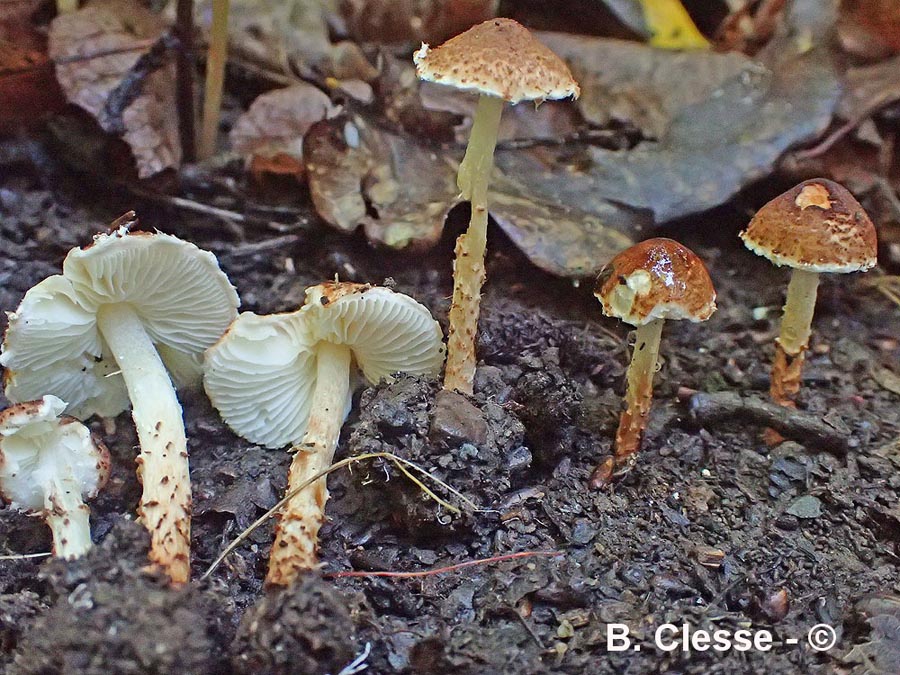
(184,88)
(442,570)
(24,556)
(802,427)
(321,474)
(358,664)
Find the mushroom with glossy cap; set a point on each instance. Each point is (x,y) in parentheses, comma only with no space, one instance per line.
(655,280)
(126,312)
(501,61)
(50,463)
(815,227)
(286,379)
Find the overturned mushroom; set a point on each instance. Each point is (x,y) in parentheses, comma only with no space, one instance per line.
(126,312)
(645,285)
(815,227)
(286,379)
(49,464)
(501,61)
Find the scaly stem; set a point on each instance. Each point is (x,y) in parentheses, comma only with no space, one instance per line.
(69,519)
(794,339)
(297,533)
(639,393)
(165,507)
(215,78)
(468,267)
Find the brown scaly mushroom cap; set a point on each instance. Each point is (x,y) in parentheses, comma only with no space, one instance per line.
(499,57)
(817,226)
(656,279)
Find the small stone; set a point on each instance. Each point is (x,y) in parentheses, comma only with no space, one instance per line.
(806,507)
(457,420)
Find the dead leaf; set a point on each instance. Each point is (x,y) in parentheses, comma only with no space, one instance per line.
(644,86)
(270,134)
(430,21)
(887,379)
(28,87)
(290,34)
(870,28)
(401,191)
(128,96)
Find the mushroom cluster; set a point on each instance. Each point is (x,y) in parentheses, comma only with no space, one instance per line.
(129,314)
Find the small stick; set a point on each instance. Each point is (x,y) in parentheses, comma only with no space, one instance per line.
(442,570)
(709,408)
(321,474)
(184,89)
(24,556)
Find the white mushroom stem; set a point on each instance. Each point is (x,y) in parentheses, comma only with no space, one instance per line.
(639,393)
(791,344)
(468,267)
(297,533)
(163,461)
(69,519)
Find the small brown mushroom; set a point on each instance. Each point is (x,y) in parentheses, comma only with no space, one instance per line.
(816,226)
(650,282)
(501,61)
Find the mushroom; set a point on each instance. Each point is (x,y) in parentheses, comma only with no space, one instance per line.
(286,379)
(650,282)
(816,226)
(48,464)
(104,332)
(501,61)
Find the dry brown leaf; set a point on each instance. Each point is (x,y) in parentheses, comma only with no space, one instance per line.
(270,134)
(431,21)
(28,88)
(870,28)
(139,109)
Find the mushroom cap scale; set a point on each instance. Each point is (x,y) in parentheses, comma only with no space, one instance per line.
(39,447)
(498,57)
(52,344)
(817,226)
(656,279)
(261,375)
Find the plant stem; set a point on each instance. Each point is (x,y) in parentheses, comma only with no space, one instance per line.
(468,267)
(64,6)
(184,87)
(794,338)
(69,519)
(165,507)
(639,393)
(215,78)
(297,533)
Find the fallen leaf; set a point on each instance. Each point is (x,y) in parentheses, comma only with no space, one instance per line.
(670,25)
(870,28)
(28,87)
(887,379)
(270,134)
(806,507)
(430,21)
(129,90)
(296,33)
(629,82)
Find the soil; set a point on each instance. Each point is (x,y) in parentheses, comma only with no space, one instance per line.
(710,527)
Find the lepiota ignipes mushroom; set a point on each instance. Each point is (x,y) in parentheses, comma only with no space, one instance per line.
(286,379)
(501,61)
(126,311)
(815,227)
(645,285)
(50,463)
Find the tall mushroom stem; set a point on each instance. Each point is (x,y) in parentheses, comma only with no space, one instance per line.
(215,78)
(165,506)
(639,393)
(69,519)
(794,338)
(468,267)
(297,533)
